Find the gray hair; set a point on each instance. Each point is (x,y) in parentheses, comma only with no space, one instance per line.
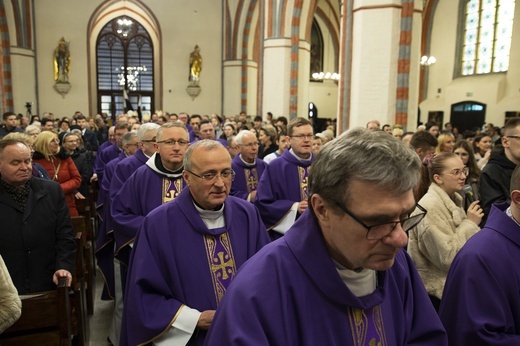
(32,127)
(240,137)
(367,156)
(127,137)
(169,125)
(145,128)
(204,144)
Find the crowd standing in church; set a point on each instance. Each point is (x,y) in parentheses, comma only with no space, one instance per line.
(217,188)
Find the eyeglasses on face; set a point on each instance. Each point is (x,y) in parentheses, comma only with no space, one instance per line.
(212,176)
(249,145)
(383,230)
(458,172)
(172,142)
(302,137)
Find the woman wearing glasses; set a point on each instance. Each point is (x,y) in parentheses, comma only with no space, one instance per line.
(435,241)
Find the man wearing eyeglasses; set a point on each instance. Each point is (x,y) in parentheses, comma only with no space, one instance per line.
(187,252)
(282,192)
(496,175)
(247,166)
(155,183)
(340,275)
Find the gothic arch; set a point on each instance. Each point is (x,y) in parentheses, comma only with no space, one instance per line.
(138,11)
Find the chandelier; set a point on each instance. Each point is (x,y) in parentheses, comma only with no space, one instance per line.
(131,77)
(326,76)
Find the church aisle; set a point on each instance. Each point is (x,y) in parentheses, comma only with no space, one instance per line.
(100,320)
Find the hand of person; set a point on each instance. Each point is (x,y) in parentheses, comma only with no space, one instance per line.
(78,195)
(93,178)
(302,206)
(475,212)
(205,319)
(487,155)
(62,273)
(252,196)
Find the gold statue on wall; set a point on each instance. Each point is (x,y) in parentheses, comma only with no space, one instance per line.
(62,62)
(195,66)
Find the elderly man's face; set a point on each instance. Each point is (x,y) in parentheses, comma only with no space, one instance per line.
(249,148)
(209,194)
(346,239)
(15,164)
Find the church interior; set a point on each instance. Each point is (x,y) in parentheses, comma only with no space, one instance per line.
(266,56)
(405,62)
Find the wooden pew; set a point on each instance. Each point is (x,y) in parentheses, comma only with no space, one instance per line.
(80,322)
(79,224)
(45,320)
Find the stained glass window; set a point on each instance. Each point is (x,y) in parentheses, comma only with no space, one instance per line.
(124,62)
(487,36)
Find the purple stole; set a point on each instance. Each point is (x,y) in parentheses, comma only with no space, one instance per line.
(251,177)
(171,188)
(221,261)
(367,326)
(303,175)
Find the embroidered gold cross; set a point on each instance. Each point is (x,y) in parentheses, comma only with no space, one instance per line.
(222,265)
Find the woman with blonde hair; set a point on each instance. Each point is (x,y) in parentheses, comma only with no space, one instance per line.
(435,241)
(58,165)
(446,143)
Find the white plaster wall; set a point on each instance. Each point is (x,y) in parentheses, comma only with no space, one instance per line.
(500,92)
(375,54)
(277,53)
(232,89)
(56,19)
(182,25)
(23,81)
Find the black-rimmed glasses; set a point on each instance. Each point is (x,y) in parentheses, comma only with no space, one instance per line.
(382,230)
(211,176)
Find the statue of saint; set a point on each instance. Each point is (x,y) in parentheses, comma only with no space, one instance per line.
(195,65)
(62,61)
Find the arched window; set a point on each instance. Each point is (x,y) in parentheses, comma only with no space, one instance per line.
(316,50)
(124,53)
(487,36)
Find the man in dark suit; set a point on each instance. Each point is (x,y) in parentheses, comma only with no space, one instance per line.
(36,238)
(89,137)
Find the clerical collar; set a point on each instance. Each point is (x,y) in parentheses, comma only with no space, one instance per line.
(299,158)
(360,283)
(247,163)
(160,166)
(510,214)
(211,218)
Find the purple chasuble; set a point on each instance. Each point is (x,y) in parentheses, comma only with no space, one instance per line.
(146,189)
(176,261)
(124,169)
(290,293)
(247,177)
(283,183)
(221,261)
(481,299)
(105,239)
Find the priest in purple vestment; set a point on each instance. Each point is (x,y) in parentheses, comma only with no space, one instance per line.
(340,275)
(186,253)
(481,300)
(283,190)
(156,183)
(105,246)
(247,166)
(146,148)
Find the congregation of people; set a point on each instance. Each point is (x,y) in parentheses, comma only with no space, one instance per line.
(268,231)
